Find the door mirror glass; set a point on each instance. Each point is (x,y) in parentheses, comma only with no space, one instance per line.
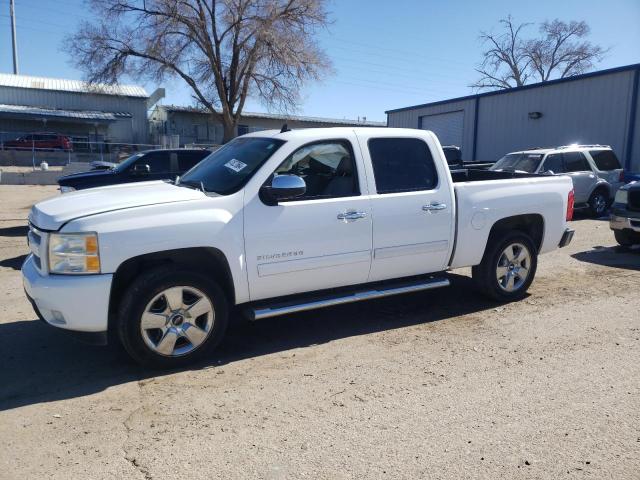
(141,169)
(283,187)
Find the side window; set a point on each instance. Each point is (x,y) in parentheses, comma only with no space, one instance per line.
(605,160)
(576,162)
(402,165)
(158,162)
(554,163)
(243,129)
(328,169)
(188,160)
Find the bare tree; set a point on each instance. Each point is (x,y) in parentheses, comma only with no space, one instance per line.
(225,50)
(505,63)
(512,61)
(562,50)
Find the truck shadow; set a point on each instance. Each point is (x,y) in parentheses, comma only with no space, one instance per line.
(616,257)
(17,231)
(41,364)
(15,263)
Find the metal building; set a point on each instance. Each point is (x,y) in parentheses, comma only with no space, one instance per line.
(195,126)
(113,113)
(594,108)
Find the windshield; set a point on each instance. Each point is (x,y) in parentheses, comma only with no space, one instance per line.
(228,169)
(524,162)
(125,164)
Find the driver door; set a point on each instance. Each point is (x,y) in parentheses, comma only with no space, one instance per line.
(316,241)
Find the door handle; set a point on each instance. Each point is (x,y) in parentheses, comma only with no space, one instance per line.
(434,206)
(345,217)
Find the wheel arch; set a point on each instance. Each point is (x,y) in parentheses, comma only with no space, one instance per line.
(531,223)
(207,260)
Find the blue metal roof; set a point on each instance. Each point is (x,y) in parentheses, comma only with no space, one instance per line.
(635,66)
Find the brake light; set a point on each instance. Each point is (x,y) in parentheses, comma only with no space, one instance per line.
(621,177)
(570,203)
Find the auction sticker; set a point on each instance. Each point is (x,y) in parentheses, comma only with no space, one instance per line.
(235,165)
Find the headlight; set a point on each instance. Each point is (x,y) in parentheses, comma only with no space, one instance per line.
(621,196)
(74,253)
(64,189)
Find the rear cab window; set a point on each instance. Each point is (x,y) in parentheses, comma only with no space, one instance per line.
(402,165)
(605,160)
(188,160)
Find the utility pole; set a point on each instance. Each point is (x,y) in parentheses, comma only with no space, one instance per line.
(12,11)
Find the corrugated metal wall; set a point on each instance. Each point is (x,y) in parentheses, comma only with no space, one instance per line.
(133,130)
(593,109)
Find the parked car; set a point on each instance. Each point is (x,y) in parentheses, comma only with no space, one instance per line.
(625,215)
(281,222)
(594,169)
(42,141)
(141,167)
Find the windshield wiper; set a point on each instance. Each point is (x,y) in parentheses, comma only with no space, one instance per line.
(191,184)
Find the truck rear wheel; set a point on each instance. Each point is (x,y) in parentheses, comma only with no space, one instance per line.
(169,318)
(508,266)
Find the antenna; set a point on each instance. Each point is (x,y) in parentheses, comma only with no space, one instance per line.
(12,13)
(285,128)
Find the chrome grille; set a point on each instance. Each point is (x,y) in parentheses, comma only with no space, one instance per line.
(36,240)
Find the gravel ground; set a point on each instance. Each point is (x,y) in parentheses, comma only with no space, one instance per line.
(440,384)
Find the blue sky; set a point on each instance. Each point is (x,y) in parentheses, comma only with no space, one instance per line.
(386,54)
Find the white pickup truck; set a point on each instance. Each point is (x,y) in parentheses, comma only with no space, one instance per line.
(280,222)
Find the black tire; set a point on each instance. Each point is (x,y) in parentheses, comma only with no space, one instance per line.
(625,238)
(486,274)
(148,286)
(598,203)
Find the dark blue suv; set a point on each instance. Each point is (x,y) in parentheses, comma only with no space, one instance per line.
(140,167)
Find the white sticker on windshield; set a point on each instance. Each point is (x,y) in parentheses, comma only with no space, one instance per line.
(235,165)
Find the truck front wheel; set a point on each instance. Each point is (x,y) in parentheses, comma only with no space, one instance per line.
(169,318)
(508,266)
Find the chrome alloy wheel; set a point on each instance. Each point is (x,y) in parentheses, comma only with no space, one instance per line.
(177,321)
(513,267)
(599,203)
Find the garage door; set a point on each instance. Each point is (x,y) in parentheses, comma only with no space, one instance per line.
(446,126)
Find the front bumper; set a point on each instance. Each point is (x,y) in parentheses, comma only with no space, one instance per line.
(617,222)
(567,236)
(78,303)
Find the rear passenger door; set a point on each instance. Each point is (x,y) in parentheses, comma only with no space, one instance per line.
(412,206)
(584,180)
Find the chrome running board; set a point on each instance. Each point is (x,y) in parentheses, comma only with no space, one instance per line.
(268,311)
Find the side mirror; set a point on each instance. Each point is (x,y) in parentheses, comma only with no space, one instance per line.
(548,172)
(283,187)
(141,169)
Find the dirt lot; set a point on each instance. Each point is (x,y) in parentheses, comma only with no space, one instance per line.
(441,384)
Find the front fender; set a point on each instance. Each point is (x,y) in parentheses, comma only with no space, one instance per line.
(212,222)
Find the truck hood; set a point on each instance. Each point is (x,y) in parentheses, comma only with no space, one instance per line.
(53,213)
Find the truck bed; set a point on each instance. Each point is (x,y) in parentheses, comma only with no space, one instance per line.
(485,196)
(477,175)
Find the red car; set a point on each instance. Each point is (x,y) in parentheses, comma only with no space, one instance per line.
(45,141)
